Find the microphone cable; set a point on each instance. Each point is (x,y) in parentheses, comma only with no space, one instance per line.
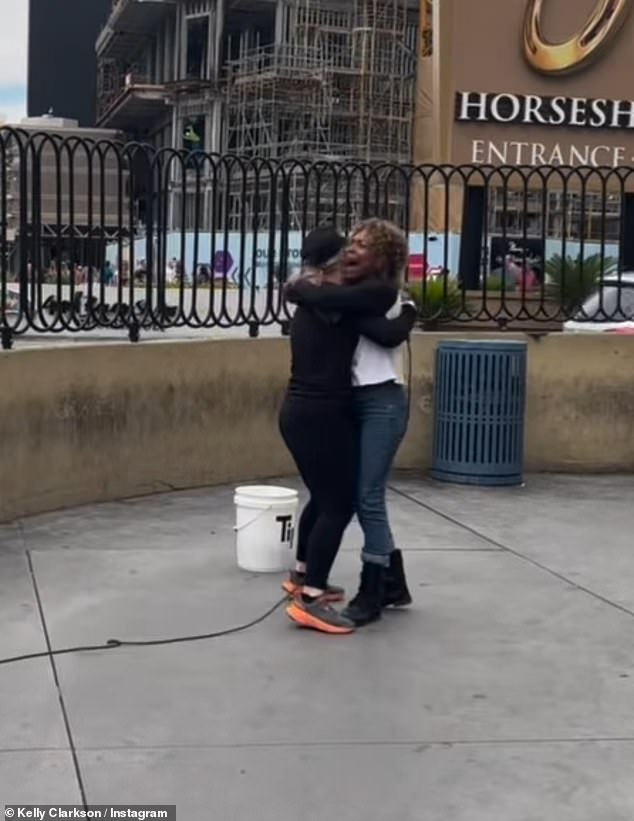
(113,644)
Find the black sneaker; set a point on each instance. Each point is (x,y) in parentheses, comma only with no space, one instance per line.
(318,614)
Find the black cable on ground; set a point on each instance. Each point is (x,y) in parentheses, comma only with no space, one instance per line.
(113,644)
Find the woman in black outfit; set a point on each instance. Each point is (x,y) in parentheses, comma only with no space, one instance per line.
(317,418)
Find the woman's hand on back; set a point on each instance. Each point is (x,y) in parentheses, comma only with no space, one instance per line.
(309,276)
(369,297)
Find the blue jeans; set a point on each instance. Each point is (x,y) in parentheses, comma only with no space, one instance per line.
(381,414)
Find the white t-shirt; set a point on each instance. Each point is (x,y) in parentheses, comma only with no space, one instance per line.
(373,364)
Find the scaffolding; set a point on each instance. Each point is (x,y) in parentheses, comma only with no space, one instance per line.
(280,84)
(280,104)
(339,87)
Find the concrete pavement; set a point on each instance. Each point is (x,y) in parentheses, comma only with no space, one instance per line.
(504,694)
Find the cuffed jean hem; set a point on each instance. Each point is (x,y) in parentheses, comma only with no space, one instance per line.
(375,558)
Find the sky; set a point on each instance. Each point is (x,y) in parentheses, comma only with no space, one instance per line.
(13,59)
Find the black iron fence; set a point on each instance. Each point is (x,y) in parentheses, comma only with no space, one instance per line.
(100,236)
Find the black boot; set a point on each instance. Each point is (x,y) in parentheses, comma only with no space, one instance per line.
(367,605)
(396,593)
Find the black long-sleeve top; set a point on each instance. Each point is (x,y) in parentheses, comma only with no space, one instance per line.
(325,333)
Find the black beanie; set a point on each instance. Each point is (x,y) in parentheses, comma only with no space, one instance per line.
(322,245)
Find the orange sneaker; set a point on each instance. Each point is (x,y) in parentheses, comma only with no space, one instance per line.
(295,582)
(318,615)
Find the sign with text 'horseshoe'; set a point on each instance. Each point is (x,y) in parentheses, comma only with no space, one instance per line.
(533,84)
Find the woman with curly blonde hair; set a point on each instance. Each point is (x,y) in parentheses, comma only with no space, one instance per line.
(377,251)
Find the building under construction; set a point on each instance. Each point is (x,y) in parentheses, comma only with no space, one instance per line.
(261,80)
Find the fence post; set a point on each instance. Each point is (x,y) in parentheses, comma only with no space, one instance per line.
(627,231)
(473,221)
(134,330)
(7,338)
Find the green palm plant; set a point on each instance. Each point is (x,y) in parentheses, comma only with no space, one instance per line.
(438,301)
(570,281)
(494,283)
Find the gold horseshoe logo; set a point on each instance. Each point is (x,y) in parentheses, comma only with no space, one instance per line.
(558,58)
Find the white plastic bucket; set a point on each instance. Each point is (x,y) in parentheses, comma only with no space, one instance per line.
(265,528)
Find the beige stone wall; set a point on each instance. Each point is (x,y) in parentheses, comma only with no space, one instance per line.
(93,423)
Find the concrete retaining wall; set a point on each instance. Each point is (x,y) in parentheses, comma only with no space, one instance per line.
(93,423)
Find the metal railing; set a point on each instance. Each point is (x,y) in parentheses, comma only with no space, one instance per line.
(105,237)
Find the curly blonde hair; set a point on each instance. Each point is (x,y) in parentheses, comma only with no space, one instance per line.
(388,241)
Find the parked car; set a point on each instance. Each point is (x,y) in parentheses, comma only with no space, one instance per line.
(610,309)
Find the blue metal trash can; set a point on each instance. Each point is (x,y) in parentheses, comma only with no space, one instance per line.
(479,408)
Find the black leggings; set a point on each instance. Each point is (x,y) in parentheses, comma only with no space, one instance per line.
(321,438)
